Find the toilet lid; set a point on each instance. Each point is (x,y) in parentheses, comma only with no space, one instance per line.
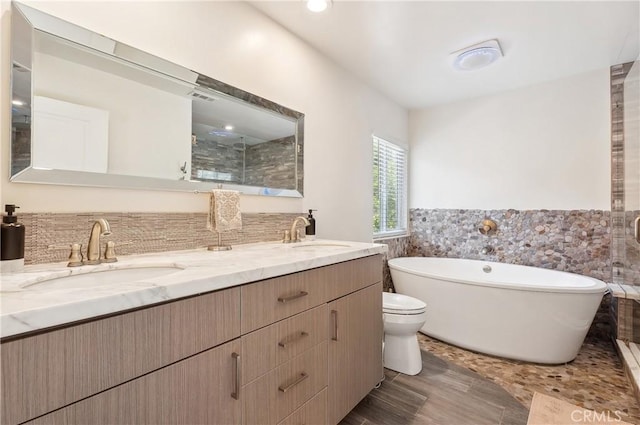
(401,304)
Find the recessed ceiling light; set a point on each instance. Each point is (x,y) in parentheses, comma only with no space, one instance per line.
(228,127)
(477,56)
(318,5)
(17,102)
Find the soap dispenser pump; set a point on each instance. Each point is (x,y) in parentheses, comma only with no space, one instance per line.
(310,230)
(11,241)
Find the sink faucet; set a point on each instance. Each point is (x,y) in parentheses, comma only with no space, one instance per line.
(100,228)
(293,233)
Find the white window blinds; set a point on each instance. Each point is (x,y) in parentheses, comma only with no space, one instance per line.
(389,189)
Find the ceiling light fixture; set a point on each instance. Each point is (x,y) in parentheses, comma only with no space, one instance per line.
(477,56)
(17,102)
(228,127)
(318,6)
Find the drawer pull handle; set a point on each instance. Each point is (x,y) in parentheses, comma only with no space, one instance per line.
(334,319)
(236,390)
(292,297)
(295,339)
(302,377)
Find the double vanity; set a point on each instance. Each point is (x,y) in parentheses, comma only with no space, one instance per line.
(264,334)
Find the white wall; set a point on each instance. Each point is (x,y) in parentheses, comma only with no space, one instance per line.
(245,49)
(541,147)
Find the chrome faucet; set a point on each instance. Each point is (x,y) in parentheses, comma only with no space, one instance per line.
(100,228)
(294,234)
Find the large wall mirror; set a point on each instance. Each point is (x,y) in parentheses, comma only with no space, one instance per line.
(91,111)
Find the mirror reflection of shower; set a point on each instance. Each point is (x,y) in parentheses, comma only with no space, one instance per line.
(261,151)
(219,153)
(242,147)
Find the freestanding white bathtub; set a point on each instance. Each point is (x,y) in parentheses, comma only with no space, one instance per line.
(518,312)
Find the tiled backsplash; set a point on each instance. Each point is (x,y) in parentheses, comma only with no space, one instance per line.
(572,241)
(48,235)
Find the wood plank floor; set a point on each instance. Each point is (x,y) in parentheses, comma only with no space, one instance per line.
(442,394)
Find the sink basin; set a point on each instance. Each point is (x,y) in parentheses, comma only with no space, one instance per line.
(312,245)
(103,278)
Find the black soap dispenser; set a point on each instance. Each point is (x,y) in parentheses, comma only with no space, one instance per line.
(310,230)
(12,241)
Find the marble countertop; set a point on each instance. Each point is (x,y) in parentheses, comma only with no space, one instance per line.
(31,300)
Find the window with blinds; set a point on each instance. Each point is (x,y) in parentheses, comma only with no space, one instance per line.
(389,189)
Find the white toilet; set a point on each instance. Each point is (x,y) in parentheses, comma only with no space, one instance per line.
(403,316)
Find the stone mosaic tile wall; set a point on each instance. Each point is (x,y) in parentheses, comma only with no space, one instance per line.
(602,327)
(48,235)
(572,241)
(397,247)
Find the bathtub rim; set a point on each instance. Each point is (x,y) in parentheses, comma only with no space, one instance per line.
(596,286)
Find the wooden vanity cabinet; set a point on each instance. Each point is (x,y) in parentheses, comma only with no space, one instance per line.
(300,348)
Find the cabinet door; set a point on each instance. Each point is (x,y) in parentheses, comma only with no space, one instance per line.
(48,371)
(197,390)
(355,349)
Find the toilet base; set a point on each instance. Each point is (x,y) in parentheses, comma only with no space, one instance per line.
(402,354)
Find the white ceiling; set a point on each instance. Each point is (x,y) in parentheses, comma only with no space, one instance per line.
(403,48)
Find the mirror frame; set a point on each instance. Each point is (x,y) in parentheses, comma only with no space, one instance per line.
(25,18)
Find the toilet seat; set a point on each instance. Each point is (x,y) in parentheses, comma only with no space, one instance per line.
(401,304)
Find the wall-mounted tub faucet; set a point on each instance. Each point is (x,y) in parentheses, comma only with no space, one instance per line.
(488,226)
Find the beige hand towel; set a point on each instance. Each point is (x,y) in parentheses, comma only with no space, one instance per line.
(224,211)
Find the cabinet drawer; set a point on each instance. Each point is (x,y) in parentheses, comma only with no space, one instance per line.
(197,390)
(269,347)
(272,397)
(274,299)
(353,275)
(312,412)
(44,372)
